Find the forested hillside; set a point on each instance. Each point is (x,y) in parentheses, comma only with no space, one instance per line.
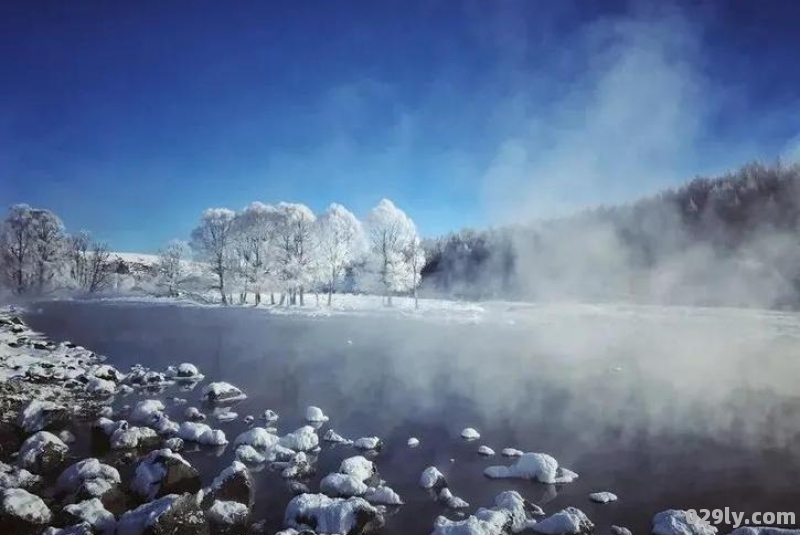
(729,240)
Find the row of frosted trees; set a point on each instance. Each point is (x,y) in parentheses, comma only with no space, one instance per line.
(286,249)
(37,255)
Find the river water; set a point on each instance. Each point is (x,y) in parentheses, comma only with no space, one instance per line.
(667,409)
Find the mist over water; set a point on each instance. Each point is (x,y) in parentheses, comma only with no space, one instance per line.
(681,407)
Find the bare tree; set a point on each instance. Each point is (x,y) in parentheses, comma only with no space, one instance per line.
(90,267)
(48,250)
(18,247)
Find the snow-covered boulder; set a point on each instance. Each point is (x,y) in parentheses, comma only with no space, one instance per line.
(486,451)
(258,438)
(228,517)
(234,483)
(325,515)
(450,500)
(298,466)
(569,521)
(413,442)
(132,437)
(270,416)
(432,478)
(172,514)
(22,512)
(512,452)
(603,497)
(335,438)
(14,477)
(342,485)
(144,411)
(226,415)
(100,387)
(38,415)
(511,514)
(201,434)
(368,443)
(81,529)
(468,433)
(193,414)
(185,372)
(174,443)
(537,466)
(106,372)
(303,439)
(621,530)
(91,512)
(359,467)
(42,453)
(163,472)
(382,495)
(222,392)
(88,478)
(249,455)
(315,415)
(674,522)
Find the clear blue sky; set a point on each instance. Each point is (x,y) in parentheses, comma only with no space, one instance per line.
(129,118)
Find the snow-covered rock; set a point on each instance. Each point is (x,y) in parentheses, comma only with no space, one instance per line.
(15,477)
(234,483)
(22,512)
(163,472)
(537,466)
(226,416)
(511,514)
(315,415)
(451,501)
(335,438)
(185,372)
(174,443)
(468,433)
(368,443)
(228,516)
(512,452)
(674,522)
(325,515)
(201,434)
(486,451)
(173,514)
(93,513)
(249,455)
(88,478)
(258,438)
(382,495)
(432,478)
(569,521)
(132,437)
(413,442)
(66,436)
(359,467)
(621,530)
(270,416)
(222,392)
(193,414)
(39,415)
(100,387)
(42,452)
(603,497)
(144,411)
(342,485)
(303,439)
(297,467)
(81,529)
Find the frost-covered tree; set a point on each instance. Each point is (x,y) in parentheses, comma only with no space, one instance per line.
(49,247)
(18,247)
(171,267)
(295,250)
(32,244)
(389,268)
(255,238)
(89,261)
(212,243)
(340,241)
(415,259)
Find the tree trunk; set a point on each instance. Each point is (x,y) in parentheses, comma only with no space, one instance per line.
(302,294)
(272,298)
(330,295)
(283,298)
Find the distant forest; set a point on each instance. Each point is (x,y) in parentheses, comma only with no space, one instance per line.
(729,240)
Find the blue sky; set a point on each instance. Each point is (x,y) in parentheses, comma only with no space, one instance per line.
(129,118)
